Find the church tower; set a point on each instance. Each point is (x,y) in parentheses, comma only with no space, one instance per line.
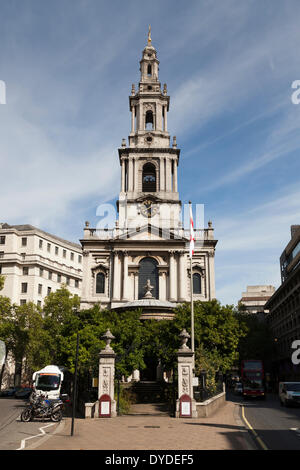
(149,164)
(142,262)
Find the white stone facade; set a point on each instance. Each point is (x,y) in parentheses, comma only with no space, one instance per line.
(116,262)
(35,263)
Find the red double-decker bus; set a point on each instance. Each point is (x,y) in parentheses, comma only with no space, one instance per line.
(252,373)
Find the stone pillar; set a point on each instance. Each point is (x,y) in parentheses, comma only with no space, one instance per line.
(125,276)
(116,283)
(106,382)
(130,174)
(175,186)
(132,119)
(185,374)
(123,176)
(166,119)
(211,267)
(182,277)
(162,174)
(172,278)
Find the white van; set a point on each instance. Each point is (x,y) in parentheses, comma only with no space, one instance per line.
(289,393)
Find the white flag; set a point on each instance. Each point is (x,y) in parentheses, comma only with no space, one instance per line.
(192,235)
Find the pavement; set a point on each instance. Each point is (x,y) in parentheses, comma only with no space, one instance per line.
(224,430)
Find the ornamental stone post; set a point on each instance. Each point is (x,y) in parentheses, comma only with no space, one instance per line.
(107,372)
(185,379)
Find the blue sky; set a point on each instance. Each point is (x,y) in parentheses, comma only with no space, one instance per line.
(68,66)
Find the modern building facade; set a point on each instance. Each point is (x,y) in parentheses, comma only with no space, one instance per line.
(143,260)
(255,298)
(284,308)
(35,263)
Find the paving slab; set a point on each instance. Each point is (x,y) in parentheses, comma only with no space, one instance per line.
(222,431)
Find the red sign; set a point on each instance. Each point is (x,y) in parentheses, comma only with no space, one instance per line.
(104,406)
(185,406)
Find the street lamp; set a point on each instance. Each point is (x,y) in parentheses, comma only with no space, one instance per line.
(75,378)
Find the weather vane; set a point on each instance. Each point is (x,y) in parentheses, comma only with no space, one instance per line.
(149,35)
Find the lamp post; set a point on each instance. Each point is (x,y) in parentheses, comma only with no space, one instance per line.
(75,380)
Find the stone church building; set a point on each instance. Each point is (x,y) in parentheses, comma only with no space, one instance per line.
(143,261)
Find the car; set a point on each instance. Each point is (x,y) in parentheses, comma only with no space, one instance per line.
(24,392)
(9,392)
(238,389)
(289,393)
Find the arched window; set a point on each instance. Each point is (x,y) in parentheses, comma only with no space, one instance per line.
(196,283)
(149,70)
(148,270)
(149,178)
(149,123)
(100,283)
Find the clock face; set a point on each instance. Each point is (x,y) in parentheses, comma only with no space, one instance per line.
(148,208)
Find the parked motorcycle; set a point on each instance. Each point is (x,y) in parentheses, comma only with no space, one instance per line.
(41,407)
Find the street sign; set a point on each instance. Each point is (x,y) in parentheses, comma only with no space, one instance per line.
(185,406)
(104,406)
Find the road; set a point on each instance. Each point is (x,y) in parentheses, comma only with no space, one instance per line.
(277,427)
(14,434)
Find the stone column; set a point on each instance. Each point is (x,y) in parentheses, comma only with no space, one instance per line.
(106,379)
(116,283)
(185,374)
(182,277)
(166,119)
(211,266)
(172,278)
(130,174)
(168,174)
(162,174)
(123,176)
(132,118)
(175,186)
(125,276)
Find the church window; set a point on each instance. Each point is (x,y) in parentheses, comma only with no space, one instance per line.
(149,123)
(196,283)
(149,70)
(148,271)
(100,283)
(149,178)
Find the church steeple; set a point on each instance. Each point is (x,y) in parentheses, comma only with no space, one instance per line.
(149,164)
(149,105)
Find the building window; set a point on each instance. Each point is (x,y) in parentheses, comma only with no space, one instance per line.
(67,281)
(48,247)
(196,283)
(100,283)
(49,291)
(59,278)
(40,244)
(149,178)
(56,250)
(2,240)
(149,70)
(40,289)
(22,301)
(1,254)
(50,275)
(24,287)
(41,272)
(25,271)
(76,283)
(148,271)
(24,241)
(79,258)
(39,303)
(72,256)
(64,253)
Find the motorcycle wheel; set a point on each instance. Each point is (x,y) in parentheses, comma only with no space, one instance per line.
(26,416)
(56,416)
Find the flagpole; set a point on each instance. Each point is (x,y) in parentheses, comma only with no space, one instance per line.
(191,268)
